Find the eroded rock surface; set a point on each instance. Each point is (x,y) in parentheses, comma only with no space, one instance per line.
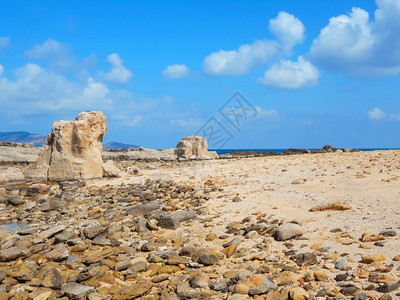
(73,149)
(194,147)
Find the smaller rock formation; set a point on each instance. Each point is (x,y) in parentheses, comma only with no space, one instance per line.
(194,147)
(73,149)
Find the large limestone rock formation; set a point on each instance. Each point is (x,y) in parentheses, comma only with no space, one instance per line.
(73,149)
(194,147)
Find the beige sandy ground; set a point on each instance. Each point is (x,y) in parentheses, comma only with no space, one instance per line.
(368,181)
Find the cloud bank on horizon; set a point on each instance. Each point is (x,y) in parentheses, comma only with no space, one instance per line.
(55,80)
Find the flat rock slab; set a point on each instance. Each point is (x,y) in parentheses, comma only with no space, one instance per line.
(288,231)
(76,291)
(44,235)
(143,209)
(173,221)
(13,253)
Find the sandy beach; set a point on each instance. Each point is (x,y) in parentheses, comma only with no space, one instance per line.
(343,206)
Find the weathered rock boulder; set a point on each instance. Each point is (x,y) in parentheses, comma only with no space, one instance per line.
(11,174)
(109,170)
(73,149)
(194,147)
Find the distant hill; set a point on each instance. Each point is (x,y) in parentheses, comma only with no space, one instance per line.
(116,145)
(23,137)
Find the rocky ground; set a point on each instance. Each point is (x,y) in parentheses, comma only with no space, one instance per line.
(313,226)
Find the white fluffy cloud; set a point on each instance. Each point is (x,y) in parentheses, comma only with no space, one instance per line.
(118,73)
(395,117)
(357,45)
(37,90)
(175,71)
(1,69)
(240,61)
(129,121)
(376,114)
(4,41)
(49,48)
(59,56)
(289,31)
(291,75)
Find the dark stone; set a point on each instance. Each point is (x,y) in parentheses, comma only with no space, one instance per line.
(15,200)
(64,185)
(146,196)
(370,287)
(140,225)
(53,204)
(292,151)
(361,296)
(349,290)
(76,291)
(287,231)
(308,287)
(139,266)
(235,241)
(173,221)
(321,293)
(101,240)
(150,246)
(52,279)
(208,259)
(290,253)
(13,253)
(93,229)
(219,286)
(341,277)
(306,259)
(379,244)
(143,209)
(264,287)
(188,251)
(63,237)
(388,287)
(388,233)
(385,297)
(236,199)
(256,228)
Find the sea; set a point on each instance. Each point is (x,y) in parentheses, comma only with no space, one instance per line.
(224,151)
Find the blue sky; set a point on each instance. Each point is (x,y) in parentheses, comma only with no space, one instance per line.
(315,72)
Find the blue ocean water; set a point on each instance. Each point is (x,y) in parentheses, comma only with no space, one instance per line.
(224,151)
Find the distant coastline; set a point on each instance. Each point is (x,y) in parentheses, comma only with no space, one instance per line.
(225,151)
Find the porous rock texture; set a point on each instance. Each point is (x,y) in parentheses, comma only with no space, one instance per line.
(73,149)
(194,147)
